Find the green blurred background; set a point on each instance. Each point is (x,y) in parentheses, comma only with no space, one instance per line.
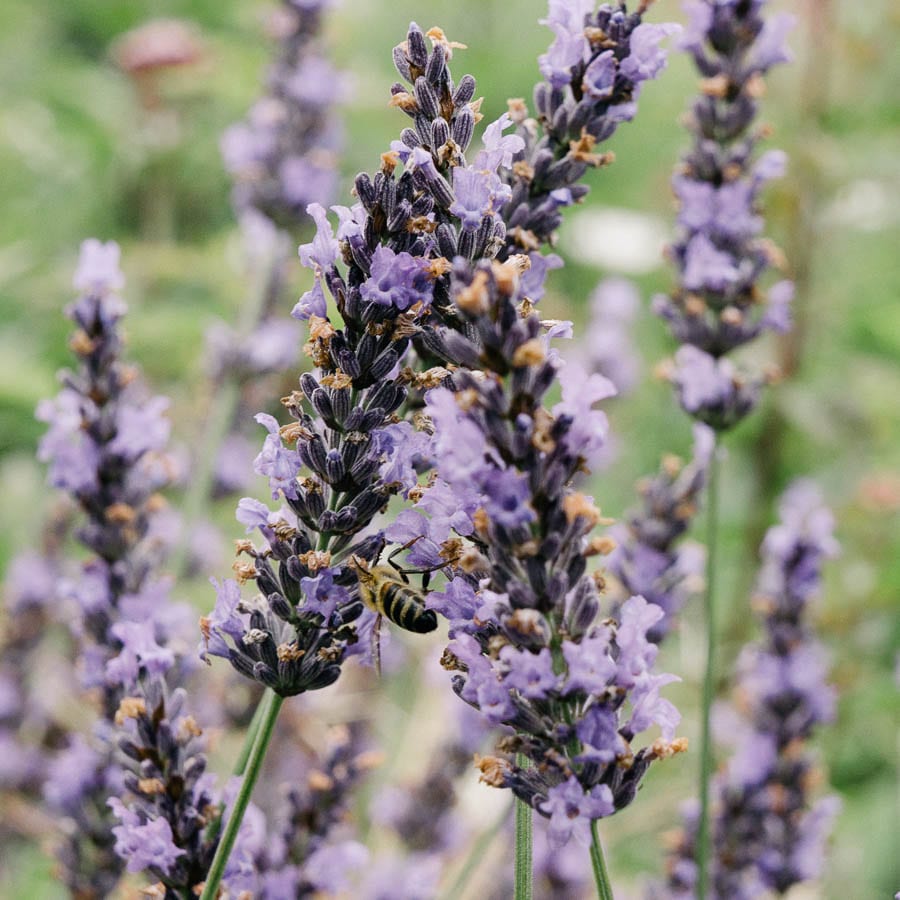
(79,158)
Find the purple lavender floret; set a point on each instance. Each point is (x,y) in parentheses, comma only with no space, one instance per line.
(397,279)
(720,303)
(526,648)
(714,391)
(649,557)
(284,155)
(768,832)
(594,71)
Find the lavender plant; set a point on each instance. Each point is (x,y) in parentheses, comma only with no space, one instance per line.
(105,447)
(768,833)
(433,373)
(719,303)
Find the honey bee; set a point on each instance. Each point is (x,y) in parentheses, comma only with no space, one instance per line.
(386,591)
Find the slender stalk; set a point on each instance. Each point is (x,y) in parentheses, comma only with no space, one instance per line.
(601,875)
(272,703)
(706,754)
(524,842)
(240,765)
(479,849)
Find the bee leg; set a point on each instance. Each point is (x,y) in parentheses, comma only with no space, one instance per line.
(400,549)
(376,646)
(427,570)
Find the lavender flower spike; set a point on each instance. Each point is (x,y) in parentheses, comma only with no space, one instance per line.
(647,558)
(526,648)
(167,810)
(719,303)
(721,258)
(768,833)
(105,446)
(593,72)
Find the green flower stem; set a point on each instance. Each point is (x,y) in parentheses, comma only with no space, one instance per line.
(601,875)
(240,764)
(260,743)
(479,850)
(215,826)
(706,754)
(524,841)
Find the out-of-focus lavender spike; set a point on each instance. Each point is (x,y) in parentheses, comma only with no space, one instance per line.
(593,74)
(768,832)
(272,346)
(649,557)
(720,303)
(105,446)
(283,156)
(606,346)
(424,815)
(313,848)
(30,609)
